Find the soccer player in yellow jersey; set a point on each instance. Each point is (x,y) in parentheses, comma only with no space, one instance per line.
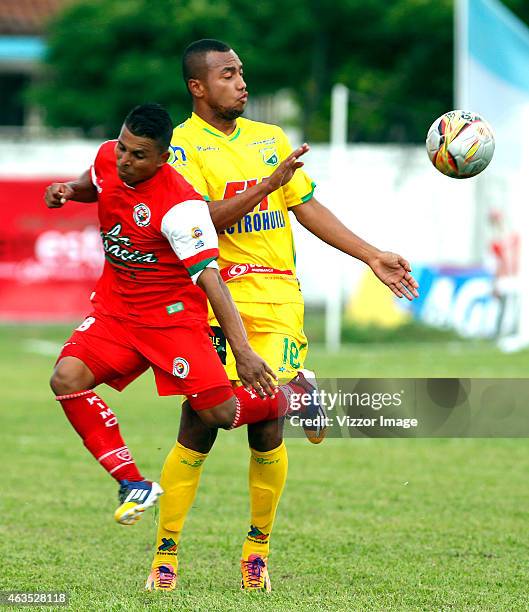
(227,159)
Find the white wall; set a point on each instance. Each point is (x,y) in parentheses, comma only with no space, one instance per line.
(391,196)
(388,194)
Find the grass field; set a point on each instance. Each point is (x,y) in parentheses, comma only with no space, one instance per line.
(363,524)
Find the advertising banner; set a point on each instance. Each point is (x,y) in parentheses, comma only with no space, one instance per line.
(49,259)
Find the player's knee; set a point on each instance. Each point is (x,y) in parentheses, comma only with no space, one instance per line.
(194,433)
(221,416)
(215,407)
(265,435)
(70,377)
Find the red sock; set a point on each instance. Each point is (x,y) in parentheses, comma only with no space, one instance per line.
(252,409)
(98,427)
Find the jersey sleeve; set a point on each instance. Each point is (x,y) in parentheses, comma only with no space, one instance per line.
(192,236)
(184,160)
(105,161)
(301,187)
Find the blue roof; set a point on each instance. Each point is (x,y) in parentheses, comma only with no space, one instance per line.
(21,48)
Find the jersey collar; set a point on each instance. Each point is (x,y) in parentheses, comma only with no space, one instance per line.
(147,185)
(206,127)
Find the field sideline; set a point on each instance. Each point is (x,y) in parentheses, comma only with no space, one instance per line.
(363,524)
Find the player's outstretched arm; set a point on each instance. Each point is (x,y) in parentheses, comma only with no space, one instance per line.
(392,269)
(80,190)
(225,213)
(253,371)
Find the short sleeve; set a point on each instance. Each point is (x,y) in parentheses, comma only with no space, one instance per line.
(105,161)
(300,188)
(183,159)
(192,236)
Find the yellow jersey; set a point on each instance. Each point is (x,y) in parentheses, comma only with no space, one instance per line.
(257,254)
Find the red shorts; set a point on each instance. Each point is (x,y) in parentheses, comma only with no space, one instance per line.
(183,358)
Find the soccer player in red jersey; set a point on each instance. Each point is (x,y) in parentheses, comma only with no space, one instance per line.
(150,306)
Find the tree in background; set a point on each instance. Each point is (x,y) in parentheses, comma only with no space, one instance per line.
(396,57)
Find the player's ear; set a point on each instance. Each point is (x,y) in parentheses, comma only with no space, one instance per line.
(163,158)
(196,88)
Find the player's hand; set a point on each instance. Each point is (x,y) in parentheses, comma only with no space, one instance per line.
(285,171)
(255,373)
(57,194)
(394,271)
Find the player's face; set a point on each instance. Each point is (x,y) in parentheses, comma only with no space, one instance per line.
(137,157)
(224,86)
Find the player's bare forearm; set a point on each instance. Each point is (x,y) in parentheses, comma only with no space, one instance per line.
(390,268)
(321,222)
(225,213)
(253,371)
(81,190)
(225,311)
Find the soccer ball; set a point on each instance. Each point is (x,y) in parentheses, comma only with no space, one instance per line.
(460,144)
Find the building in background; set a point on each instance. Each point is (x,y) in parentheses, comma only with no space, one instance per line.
(22,25)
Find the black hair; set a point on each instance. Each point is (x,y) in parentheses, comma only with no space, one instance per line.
(195,54)
(151,121)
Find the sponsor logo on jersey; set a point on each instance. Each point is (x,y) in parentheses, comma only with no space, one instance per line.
(120,249)
(199,244)
(270,157)
(141,214)
(258,222)
(196,232)
(266,141)
(177,155)
(180,367)
(209,148)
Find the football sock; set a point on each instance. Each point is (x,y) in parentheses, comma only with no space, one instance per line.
(267,476)
(98,427)
(252,409)
(180,479)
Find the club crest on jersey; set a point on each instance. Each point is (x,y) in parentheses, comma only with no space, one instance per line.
(270,157)
(180,367)
(141,215)
(196,232)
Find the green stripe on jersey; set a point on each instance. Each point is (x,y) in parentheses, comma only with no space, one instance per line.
(198,267)
(310,194)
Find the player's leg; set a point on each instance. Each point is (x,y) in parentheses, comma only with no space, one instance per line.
(266,477)
(180,480)
(82,364)
(276,334)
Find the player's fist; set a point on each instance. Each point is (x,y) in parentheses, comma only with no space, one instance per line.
(57,194)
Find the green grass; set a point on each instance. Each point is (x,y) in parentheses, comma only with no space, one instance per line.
(363,524)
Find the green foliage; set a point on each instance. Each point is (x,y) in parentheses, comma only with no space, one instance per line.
(396,58)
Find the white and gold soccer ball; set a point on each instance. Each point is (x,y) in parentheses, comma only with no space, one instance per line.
(460,144)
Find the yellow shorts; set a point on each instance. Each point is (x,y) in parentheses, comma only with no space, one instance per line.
(275,332)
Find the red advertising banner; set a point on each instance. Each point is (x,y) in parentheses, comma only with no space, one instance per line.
(49,258)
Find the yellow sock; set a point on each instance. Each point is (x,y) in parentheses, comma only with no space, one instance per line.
(180,477)
(268,473)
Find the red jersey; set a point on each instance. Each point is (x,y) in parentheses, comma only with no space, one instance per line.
(157,237)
